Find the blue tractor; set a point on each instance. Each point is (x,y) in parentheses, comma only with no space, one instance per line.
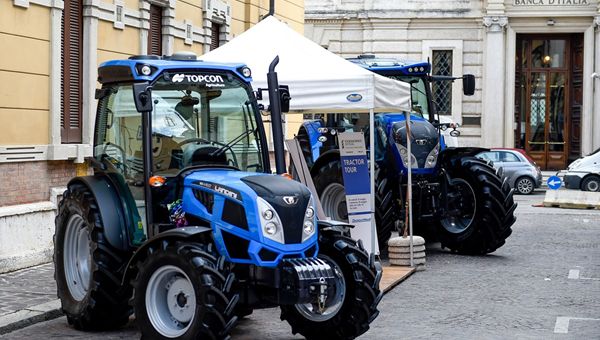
(459,199)
(183,224)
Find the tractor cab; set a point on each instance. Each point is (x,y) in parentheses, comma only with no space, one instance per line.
(194,116)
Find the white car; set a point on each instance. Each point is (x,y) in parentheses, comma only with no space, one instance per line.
(584,173)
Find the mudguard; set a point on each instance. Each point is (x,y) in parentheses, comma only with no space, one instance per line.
(325,158)
(451,155)
(186,234)
(111,210)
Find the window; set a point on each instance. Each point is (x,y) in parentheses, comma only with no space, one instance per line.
(71,71)
(442,90)
(155,31)
(215,33)
(509,157)
(490,156)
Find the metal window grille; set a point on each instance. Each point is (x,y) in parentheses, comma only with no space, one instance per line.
(215,35)
(71,69)
(442,90)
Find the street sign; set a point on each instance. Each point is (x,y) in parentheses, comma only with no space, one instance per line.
(554,182)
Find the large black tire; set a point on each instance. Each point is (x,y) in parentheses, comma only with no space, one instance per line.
(331,174)
(494,209)
(104,304)
(359,307)
(385,208)
(191,265)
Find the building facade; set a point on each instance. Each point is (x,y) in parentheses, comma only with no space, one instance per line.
(48,69)
(535,63)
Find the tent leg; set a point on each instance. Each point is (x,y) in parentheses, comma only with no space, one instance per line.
(372,179)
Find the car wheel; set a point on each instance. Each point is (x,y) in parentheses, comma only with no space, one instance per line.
(524,185)
(591,183)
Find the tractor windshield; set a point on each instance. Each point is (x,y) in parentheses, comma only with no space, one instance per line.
(203,119)
(420,105)
(197,119)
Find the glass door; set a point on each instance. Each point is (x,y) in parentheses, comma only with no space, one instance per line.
(545,93)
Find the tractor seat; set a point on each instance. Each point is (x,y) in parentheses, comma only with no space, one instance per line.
(203,156)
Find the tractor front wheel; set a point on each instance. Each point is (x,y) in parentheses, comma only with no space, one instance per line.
(180,292)
(479,208)
(357,294)
(87,268)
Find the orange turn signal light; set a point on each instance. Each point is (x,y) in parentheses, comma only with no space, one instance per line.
(286,175)
(157,181)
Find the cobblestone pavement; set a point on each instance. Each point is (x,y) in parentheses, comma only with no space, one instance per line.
(522,291)
(26,288)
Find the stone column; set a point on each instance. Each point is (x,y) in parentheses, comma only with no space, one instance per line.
(492,117)
(595,119)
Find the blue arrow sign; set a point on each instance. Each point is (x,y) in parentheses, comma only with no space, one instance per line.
(554,182)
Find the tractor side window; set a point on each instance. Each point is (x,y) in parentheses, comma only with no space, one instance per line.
(118,145)
(119,133)
(420,105)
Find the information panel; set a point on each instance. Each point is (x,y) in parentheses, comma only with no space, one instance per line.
(355,171)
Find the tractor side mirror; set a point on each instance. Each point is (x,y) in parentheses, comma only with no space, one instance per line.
(468,84)
(142,95)
(284,96)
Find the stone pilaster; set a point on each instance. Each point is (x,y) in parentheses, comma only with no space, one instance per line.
(493,81)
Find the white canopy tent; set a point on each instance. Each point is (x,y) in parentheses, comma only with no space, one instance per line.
(318,80)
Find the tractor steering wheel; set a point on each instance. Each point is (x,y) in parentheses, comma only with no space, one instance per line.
(232,162)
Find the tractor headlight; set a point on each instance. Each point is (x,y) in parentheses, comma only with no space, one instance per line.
(308,228)
(272,228)
(310,212)
(432,157)
(268,214)
(404,155)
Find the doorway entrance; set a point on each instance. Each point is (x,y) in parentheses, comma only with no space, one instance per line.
(543,97)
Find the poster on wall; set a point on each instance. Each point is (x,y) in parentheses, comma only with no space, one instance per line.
(355,172)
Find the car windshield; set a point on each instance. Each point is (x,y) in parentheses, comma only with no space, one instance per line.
(420,105)
(203,119)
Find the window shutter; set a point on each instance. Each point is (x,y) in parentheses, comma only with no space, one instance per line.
(155,31)
(215,32)
(71,71)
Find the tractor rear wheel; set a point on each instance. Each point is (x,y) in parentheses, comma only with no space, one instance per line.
(87,268)
(330,188)
(354,307)
(180,292)
(480,209)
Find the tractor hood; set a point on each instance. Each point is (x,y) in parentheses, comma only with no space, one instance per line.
(236,205)
(425,140)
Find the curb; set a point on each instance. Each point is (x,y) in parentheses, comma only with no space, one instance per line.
(29,316)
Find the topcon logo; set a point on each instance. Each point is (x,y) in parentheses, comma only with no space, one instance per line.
(178,78)
(197,78)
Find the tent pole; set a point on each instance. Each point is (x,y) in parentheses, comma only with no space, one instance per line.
(372,178)
(409,188)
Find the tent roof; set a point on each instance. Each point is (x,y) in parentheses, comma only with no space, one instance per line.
(318,79)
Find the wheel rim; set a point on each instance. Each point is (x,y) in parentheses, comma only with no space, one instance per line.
(593,185)
(525,186)
(170,301)
(333,200)
(333,306)
(77,257)
(465,205)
